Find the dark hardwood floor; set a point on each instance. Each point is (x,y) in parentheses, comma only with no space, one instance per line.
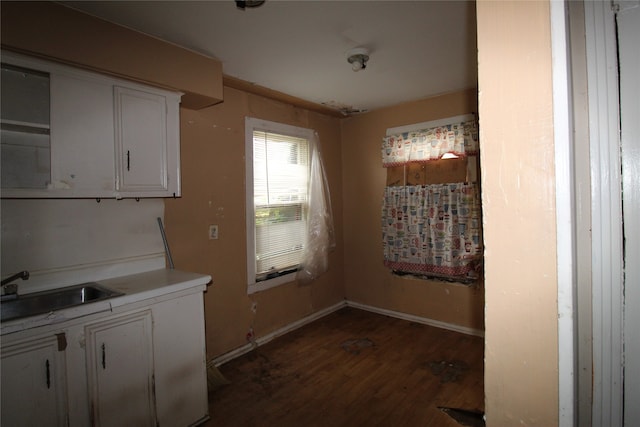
(354,368)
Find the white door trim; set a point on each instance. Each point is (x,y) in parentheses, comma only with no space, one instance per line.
(565,214)
(628,36)
(606,213)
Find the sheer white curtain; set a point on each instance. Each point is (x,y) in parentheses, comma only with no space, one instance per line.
(320,232)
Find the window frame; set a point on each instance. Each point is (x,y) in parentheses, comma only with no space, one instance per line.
(254,124)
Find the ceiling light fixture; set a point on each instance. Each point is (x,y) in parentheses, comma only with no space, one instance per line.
(358,58)
(248,3)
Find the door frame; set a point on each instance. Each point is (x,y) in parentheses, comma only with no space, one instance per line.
(565,212)
(589,217)
(606,214)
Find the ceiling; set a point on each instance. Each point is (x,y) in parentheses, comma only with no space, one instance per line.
(417,48)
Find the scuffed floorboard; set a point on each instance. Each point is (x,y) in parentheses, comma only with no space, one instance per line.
(465,417)
(353,368)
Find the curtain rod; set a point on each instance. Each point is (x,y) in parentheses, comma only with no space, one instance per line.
(431,124)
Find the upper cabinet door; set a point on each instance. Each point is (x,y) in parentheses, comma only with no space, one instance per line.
(82,153)
(141,140)
(144,143)
(24,128)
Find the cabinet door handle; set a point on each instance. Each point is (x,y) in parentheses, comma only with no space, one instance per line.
(46,364)
(104,357)
(128,160)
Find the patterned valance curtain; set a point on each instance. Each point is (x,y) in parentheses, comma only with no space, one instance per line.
(460,139)
(433,230)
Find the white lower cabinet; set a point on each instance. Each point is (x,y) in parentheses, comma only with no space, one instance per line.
(33,382)
(141,364)
(120,371)
(180,361)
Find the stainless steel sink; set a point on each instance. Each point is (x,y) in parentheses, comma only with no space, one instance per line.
(44,302)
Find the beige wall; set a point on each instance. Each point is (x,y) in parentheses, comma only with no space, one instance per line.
(518,201)
(212,150)
(56,32)
(367,281)
(213,192)
(518,183)
(212,163)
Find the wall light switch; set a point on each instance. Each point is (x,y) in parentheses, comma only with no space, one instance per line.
(213,232)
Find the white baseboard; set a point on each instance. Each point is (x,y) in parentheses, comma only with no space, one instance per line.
(417,319)
(217,361)
(223,358)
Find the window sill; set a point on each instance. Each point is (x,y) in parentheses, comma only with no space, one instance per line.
(271,283)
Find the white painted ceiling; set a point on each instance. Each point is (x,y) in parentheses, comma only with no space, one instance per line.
(417,48)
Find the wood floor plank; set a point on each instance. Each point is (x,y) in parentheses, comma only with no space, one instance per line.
(353,368)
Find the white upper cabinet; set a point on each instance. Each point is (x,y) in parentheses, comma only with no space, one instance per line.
(145,123)
(71,133)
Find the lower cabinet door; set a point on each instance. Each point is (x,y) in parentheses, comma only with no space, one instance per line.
(33,382)
(120,370)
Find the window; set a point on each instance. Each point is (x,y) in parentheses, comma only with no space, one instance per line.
(277,165)
(431,212)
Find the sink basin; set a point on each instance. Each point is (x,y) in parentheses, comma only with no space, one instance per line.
(44,302)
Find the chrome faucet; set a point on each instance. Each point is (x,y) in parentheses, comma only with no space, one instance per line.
(24,275)
(10,290)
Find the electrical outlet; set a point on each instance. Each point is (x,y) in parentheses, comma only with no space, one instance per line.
(213,232)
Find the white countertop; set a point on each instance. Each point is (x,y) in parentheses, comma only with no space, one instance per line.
(152,285)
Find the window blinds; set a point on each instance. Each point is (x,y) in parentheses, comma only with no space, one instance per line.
(280,180)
